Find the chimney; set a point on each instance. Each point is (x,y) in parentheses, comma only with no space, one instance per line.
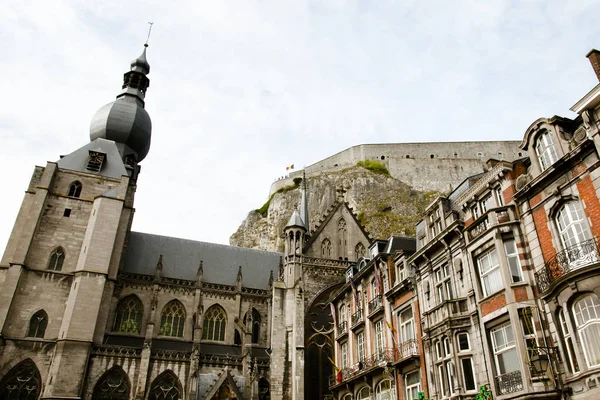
(594,57)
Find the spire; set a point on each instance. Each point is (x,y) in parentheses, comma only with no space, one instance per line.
(304,202)
(135,81)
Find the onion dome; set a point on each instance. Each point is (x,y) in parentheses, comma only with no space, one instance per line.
(125,121)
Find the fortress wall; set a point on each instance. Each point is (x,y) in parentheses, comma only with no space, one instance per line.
(431,166)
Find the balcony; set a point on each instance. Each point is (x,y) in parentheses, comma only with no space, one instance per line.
(452,311)
(489,220)
(406,350)
(375,304)
(379,359)
(567,261)
(509,383)
(357,318)
(342,328)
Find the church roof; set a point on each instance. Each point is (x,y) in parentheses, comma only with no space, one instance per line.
(181,258)
(77,161)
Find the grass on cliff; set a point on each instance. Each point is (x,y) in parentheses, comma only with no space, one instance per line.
(374,166)
(264,210)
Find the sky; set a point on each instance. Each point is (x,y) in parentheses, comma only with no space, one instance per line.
(241,89)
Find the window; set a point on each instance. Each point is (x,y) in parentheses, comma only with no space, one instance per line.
(475,211)
(326,248)
(486,203)
(264,389)
(38,324)
(568,338)
(252,322)
(95,161)
(165,387)
(342,318)
(571,225)
(545,150)
(21,382)
(499,197)
(215,322)
(505,352)
(172,319)
(113,385)
(379,343)
(444,283)
(75,189)
(528,326)
(489,272)
(57,258)
(587,320)
(359,251)
(468,373)
(360,346)
(344,353)
(342,239)
(349,273)
(364,394)
(512,257)
(407,325)
(412,383)
(385,390)
(128,317)
(463,341)
(445,367)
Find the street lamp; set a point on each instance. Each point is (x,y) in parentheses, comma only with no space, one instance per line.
(542,359)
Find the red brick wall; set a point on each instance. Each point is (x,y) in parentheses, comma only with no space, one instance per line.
(521,294)
(592,205)
(543,232)
(493,304)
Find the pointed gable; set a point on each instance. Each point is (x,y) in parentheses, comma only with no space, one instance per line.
(338,235)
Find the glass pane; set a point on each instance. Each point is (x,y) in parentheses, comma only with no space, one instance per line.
(463,341)
(467,367)
(508,361)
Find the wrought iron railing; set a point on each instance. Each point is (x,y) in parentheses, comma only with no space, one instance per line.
(342,328)
(357,317)
(509,383)
(380,358)
(406,350)
(566,261)
(375,304)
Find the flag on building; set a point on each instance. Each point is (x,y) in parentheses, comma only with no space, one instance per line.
(289,167)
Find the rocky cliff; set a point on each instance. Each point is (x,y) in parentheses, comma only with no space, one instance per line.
(383,204)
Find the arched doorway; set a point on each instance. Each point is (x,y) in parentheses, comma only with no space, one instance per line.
(319,346)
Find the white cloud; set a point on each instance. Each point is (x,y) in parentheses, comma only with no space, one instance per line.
(240,89)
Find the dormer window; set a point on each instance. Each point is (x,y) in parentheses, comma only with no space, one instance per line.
(95,161)
(545,150)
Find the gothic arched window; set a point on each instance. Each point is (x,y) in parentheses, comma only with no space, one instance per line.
(166,386)
(215,322)
(172,319)
(326,248)
(113,385)
(38,324)
(587,322)
(342,239)
(75,189)
(264,389)
(23,382)
(128,317)
(359,250)
(57,258)
(255,325)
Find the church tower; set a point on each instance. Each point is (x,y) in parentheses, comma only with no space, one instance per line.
(64,252)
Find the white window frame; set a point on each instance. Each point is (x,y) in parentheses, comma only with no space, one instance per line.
(360,346)
(412,390)
(587,317)
(379,339)
(385,394)
(499,197)
(568,340)
(513,261)
(344,354)
(503,348)
(545,150)
(466,334)
(464,373)
(406,327)
(572,227)
(490,272)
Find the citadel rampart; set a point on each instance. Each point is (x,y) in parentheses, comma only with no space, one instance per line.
(425,166)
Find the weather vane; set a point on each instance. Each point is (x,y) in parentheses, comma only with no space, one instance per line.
(149,30)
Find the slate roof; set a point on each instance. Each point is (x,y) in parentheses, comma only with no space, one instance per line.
(77,161)
(181,258)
